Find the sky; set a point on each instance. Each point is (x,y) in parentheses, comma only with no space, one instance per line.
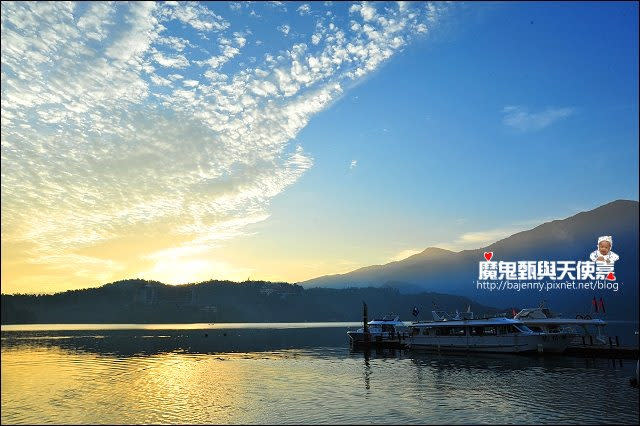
(183,142)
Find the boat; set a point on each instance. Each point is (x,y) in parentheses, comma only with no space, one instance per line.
(465,333)
(388,330)
(572,330)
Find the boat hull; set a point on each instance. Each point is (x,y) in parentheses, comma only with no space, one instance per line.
(521,343)
(556,342)
(359,338)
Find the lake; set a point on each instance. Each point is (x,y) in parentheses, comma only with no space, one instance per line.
(290,373)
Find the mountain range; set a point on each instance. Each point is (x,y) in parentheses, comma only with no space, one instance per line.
(435,275)
(573,238)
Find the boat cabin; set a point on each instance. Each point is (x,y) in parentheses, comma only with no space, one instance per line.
(474,328)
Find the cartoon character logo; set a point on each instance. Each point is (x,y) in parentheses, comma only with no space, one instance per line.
(604,253)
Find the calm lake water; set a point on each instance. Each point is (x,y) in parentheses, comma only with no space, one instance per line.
(290,373)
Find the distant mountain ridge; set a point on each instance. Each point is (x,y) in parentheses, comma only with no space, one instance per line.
(573,238)
(434,275)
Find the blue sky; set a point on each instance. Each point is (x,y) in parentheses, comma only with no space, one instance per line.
(437,164)
(286,141)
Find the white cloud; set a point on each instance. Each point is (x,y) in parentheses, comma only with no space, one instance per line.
(367,10)
(228,52)
(284,29)
(100,141)
(141,33)
(304,9)
(239,39)
(175,61)
(198,16)
(353,165)
(479,239)
(96,19)
(404,254)
(520,118)
(278,4)
(176,43)
(160,81)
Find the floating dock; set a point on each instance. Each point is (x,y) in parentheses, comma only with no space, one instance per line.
(602,351)
(588,347)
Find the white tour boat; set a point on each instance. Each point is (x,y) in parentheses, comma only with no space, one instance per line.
(387,330)
(464,333)
(543,320)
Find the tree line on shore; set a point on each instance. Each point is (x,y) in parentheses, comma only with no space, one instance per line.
(142,301)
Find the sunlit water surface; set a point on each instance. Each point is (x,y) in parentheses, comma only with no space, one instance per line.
(292,374)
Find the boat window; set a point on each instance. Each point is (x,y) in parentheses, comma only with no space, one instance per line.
(442,331)
(449,331)
(489,331)
(415,331)
(425,331)
(485,331)
(524,329)
(508,329)
(456,331)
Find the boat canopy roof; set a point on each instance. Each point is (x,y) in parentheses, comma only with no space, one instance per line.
(563,321)
(471,322)
(387,319)
(543,315)
(535,313)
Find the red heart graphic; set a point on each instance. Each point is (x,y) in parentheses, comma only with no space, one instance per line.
(488,255)
(611,277)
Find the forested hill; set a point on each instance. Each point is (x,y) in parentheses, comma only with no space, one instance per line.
(140,301)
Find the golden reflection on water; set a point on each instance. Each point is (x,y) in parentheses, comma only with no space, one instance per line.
(46,382)
(66,387)
(52,384)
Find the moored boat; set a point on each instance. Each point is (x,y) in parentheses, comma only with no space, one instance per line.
(388,330)
(541,319)
(464,333)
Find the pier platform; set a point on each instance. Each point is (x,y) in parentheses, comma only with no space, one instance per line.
(602,351)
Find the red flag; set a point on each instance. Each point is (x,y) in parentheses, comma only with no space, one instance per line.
(513,311)
(602,305)
(595,303)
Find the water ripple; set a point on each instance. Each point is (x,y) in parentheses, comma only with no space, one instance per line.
(178,377)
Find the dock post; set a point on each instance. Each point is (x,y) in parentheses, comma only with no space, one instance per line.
(617,341)
(590,340)
(365,320)
(610,342)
